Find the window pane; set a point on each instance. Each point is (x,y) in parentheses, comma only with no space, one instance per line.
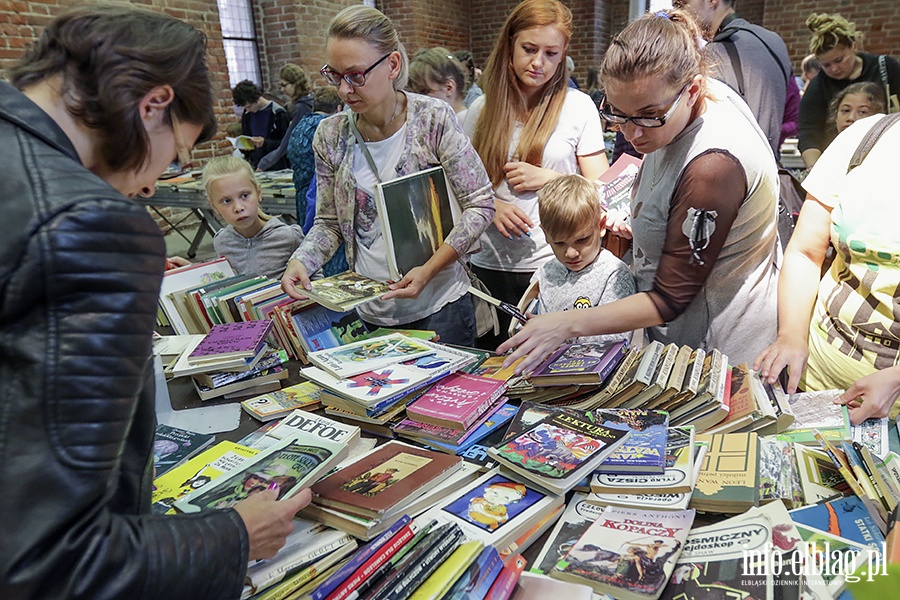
(236,18)
(242,60)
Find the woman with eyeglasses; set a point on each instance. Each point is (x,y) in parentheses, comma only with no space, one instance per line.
(403,133)
(529,127)
(94,112)
(703,207)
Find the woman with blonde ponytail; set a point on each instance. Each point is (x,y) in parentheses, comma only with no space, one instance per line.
(529,128)
(703,206)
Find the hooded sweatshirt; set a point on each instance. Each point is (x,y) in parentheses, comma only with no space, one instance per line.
(266,253)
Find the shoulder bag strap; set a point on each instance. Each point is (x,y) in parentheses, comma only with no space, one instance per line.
(870,139)
(731,48)
(351,118)
(726,34)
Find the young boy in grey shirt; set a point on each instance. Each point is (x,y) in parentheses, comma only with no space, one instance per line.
(582,274)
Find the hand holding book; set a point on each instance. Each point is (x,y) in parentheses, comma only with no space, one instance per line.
(268,520)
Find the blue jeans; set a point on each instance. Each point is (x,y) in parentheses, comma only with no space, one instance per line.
(455,323)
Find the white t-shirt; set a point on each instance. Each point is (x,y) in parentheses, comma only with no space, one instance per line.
(578,133)
(447,286)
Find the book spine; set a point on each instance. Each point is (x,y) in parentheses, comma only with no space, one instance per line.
(506,581)
(374,563)
(649,363)
(359,559)
(443,578)
(420,570)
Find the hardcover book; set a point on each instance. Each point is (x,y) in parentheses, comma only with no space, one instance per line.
(369,355)
(172,446)
(641,377)
(345,291)
(293,464)
(627,553)
(189,277)
(579,363)
(728,480)
(457,401)
(388,477)
(231,340)
(416,212)
(645,449)
(559,451)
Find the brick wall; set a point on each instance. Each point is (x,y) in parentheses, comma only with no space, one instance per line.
(879,20)
(425,24)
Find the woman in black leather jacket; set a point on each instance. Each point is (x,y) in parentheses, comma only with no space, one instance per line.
(98,108)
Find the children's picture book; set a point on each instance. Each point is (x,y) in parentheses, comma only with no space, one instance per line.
(231,340)
(458,401)
(560,450)
(645,449)
(383,479)
(293,464)
(369,355)
(172,446)
(615,185)
(579,363)
(627,553)
(416,212)
(275,405)
(345,291)
(493,509)
(190,476)
(372,387)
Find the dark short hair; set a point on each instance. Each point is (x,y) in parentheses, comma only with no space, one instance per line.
(245,92)
(326,99)
(109,58)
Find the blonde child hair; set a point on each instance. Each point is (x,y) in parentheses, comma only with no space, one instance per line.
(567,204)
(224,166)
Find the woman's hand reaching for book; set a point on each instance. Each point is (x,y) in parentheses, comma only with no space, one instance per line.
(295,280)
(789,351)
(540,336)
(872,396)
(268,521)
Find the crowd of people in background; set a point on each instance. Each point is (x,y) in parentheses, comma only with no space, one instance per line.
(110,97)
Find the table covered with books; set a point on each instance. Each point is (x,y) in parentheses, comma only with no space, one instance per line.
(634,470)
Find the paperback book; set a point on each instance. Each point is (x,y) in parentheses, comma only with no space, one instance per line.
(616,183)
(369,355)
(231,340)
(345,291)
(493,423)
(578,516)
(579,363)
(728,482)
(293,465)
(645,449)
(172,446)
(627,553)
(315,426)
(275,405)
(457,401)
(676,478)
(559,451)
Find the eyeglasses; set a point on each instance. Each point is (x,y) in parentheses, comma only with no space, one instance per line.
(645,122)
(354,78)
(182,150)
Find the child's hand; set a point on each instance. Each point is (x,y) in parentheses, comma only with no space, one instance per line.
(872,396)
(173,262)
(510,220)
(257,140)
(787,351)
(295,280)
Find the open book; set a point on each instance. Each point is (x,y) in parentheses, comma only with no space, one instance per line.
(416,212)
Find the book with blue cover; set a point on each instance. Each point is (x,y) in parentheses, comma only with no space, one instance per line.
(844,517)
(645,449)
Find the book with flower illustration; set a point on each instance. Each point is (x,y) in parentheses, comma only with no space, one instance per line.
(416,212)
(292,465)
(457,401)
(369,355)
(560,450)
(390,476)
(345,291)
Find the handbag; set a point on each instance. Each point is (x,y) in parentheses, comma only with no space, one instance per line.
(486,320)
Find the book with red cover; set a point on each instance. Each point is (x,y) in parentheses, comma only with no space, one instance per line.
(506,581)
(380,481)
(457,401)
(446,435)
(615,184)
(232,340)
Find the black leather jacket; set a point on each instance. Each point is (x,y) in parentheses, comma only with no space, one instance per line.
(80,270)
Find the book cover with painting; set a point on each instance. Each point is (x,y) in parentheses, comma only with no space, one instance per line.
(627,553)
(416,212)
(369,355)
(345,291)
(173,445)
(645,449)
(579,363)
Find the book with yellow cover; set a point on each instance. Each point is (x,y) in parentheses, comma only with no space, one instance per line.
(195,473)
(728,479)
(450,570)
